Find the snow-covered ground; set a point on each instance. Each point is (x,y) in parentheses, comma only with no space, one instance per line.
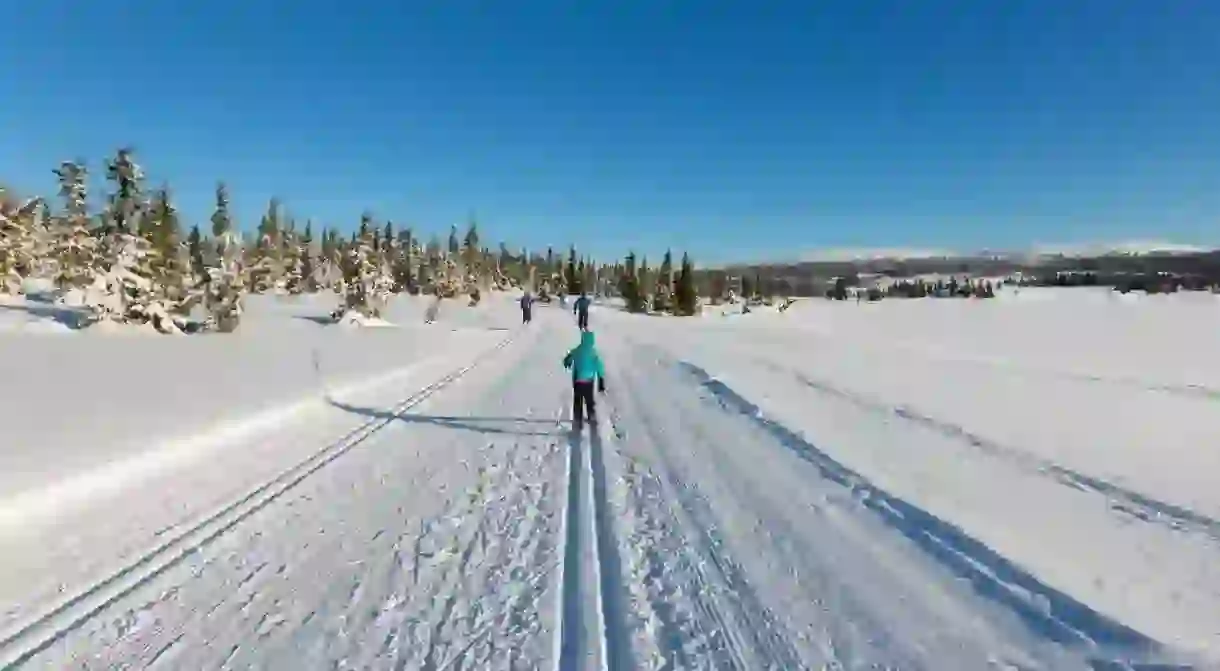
(936,484)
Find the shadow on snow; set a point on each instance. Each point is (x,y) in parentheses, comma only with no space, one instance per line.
(1046,611)
(512,426)
(73,318)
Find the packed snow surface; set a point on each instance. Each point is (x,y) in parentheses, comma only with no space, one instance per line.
(1023,483)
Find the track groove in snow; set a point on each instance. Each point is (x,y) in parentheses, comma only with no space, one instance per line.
(22,642)
(1045,610)
(693,608)
(590,606)
(609,560)
(1121,499)
(1197,390)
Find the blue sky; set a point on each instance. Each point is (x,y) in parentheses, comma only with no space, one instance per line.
(736,130)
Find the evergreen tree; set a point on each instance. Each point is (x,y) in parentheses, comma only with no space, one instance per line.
(74,249)
(454,246)
(686,298)
(18,246)
(194,245)
(367,280)
(125,292)
(308,270)
(571,279)
(645,282)
(629,286)
(404,262)
(662,293)
(224,274)
(472,271)
(266,267)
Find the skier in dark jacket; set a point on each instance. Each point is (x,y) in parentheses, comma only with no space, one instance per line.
(581,308)
(527,308)
(586,366)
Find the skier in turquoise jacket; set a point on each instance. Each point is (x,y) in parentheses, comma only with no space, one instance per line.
(586,366)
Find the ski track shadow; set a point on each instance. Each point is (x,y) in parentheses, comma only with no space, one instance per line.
(614,593)
(73,318)
(1121,499)
(1046,611)
(320,320)
(484,425)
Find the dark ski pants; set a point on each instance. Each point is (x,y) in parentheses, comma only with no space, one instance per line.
(582,320)
(526,316)
(583,404)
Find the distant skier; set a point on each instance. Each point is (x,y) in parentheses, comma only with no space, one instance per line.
(581,308)
(586,366)
(527,308)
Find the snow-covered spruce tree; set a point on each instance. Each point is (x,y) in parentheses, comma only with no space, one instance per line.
(329,262)
(471,258)
(662,300)
(18,244)
(305,270)
(381,289)
(286,249)
(403,262)
(645,281)
(265,267)
(291,279)
(455,247)
(194,247)
(571,280)
(125,291)
(417,264)
(629,286)
(361,272)
(159,225)
(436,266)
(73,249)
(686,298)
(224,274)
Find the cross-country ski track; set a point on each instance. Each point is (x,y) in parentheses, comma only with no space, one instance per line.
(461,524)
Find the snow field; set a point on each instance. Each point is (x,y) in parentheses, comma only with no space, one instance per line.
(774,566)
(1145,429)
(760,494)
(73,403)
(62,618)
(1110,508)
(395,554)
(1140,340)
(63,532)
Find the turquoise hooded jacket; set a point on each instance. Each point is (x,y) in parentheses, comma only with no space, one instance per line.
(584,360)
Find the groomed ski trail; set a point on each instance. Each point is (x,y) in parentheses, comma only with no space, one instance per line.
(434,544)
(591,633)
(742,552)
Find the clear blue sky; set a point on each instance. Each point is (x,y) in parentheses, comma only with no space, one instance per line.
(735,130)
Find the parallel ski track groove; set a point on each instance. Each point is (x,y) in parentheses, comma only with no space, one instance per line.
(718,574)
(615,647)
(571,626)
(21,645)
(1121,499)
(586,486)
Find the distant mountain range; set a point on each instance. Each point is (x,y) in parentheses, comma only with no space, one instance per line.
(1130,248)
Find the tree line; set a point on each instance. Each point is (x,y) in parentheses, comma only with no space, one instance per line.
(132,261)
